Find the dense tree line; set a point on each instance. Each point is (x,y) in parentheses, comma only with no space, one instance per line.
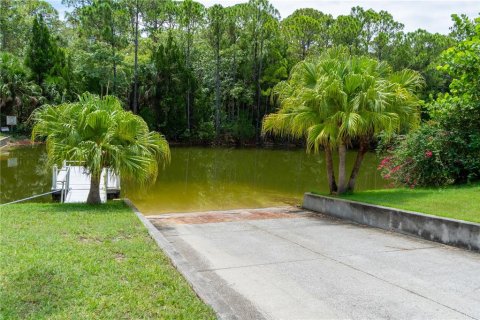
(446,149)
(194,73)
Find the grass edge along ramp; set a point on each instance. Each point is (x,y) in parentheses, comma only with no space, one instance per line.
(77,261)
(456,202)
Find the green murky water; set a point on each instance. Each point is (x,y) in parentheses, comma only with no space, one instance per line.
(201,179)
(23,173)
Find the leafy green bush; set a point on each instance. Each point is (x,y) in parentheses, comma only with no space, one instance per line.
(19,95)
(243,129)
(448,150)
(206,132)
(432,156)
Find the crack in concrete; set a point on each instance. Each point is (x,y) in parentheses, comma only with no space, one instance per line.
(259,265)
(409,249)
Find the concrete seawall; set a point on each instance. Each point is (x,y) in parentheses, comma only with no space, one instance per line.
(447,231)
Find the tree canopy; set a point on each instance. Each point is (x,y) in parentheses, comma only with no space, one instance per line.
(201,74)
(338,99)
(98,133)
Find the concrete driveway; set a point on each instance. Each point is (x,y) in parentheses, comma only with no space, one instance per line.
(286,263)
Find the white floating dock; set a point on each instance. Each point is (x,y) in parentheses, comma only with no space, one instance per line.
(72,184)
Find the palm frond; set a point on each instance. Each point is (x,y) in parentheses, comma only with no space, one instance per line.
(99,133)
(338,97)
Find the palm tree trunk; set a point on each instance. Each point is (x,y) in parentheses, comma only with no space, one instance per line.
(342,153)
(332,184)
(356,167)
(94,193)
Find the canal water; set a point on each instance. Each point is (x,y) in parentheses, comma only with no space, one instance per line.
(200,179)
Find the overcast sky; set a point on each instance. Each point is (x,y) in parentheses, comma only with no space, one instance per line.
(432,15)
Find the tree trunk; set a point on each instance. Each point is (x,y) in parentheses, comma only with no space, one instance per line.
(255,76)
(3,31)
(94,193)
(259,95)
(259,88)
(304,50)
(217,87)
(332,184)
(187,64)
(188,105)
(342,154)
(114,77)
(356,167)
(135,81)
(114,61)
(155,30)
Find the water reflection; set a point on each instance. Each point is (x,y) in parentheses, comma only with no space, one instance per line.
(23,173)
(200,178)
(208,179)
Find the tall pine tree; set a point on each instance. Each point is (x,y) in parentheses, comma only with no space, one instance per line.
(41,52)
(48,63)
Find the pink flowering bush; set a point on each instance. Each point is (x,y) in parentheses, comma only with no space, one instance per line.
(428,156)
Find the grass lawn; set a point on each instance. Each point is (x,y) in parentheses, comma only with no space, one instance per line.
(457,202)
(61,261)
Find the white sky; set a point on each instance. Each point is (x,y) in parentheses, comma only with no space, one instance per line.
(432,15)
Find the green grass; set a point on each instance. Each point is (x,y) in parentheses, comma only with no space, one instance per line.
(85,262)
(457,202)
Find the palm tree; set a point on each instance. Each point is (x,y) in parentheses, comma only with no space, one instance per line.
(99,133)
(338,99)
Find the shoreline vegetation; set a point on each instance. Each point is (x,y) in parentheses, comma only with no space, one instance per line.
(25,142)
(455,202)
(79,261)
(209,73)
(19,140)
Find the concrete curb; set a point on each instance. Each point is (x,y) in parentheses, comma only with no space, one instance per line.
(198,283)
(444,230)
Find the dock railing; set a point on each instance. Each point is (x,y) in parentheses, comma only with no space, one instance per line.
(54,177)
(61,184)
(65,185)
(115,178)
(65,188)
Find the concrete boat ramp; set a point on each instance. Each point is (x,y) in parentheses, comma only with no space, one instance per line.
(288,263)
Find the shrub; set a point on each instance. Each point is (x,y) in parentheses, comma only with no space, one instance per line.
(432,156)
(447,151)
(205,132)
(19,95)
(243,129)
